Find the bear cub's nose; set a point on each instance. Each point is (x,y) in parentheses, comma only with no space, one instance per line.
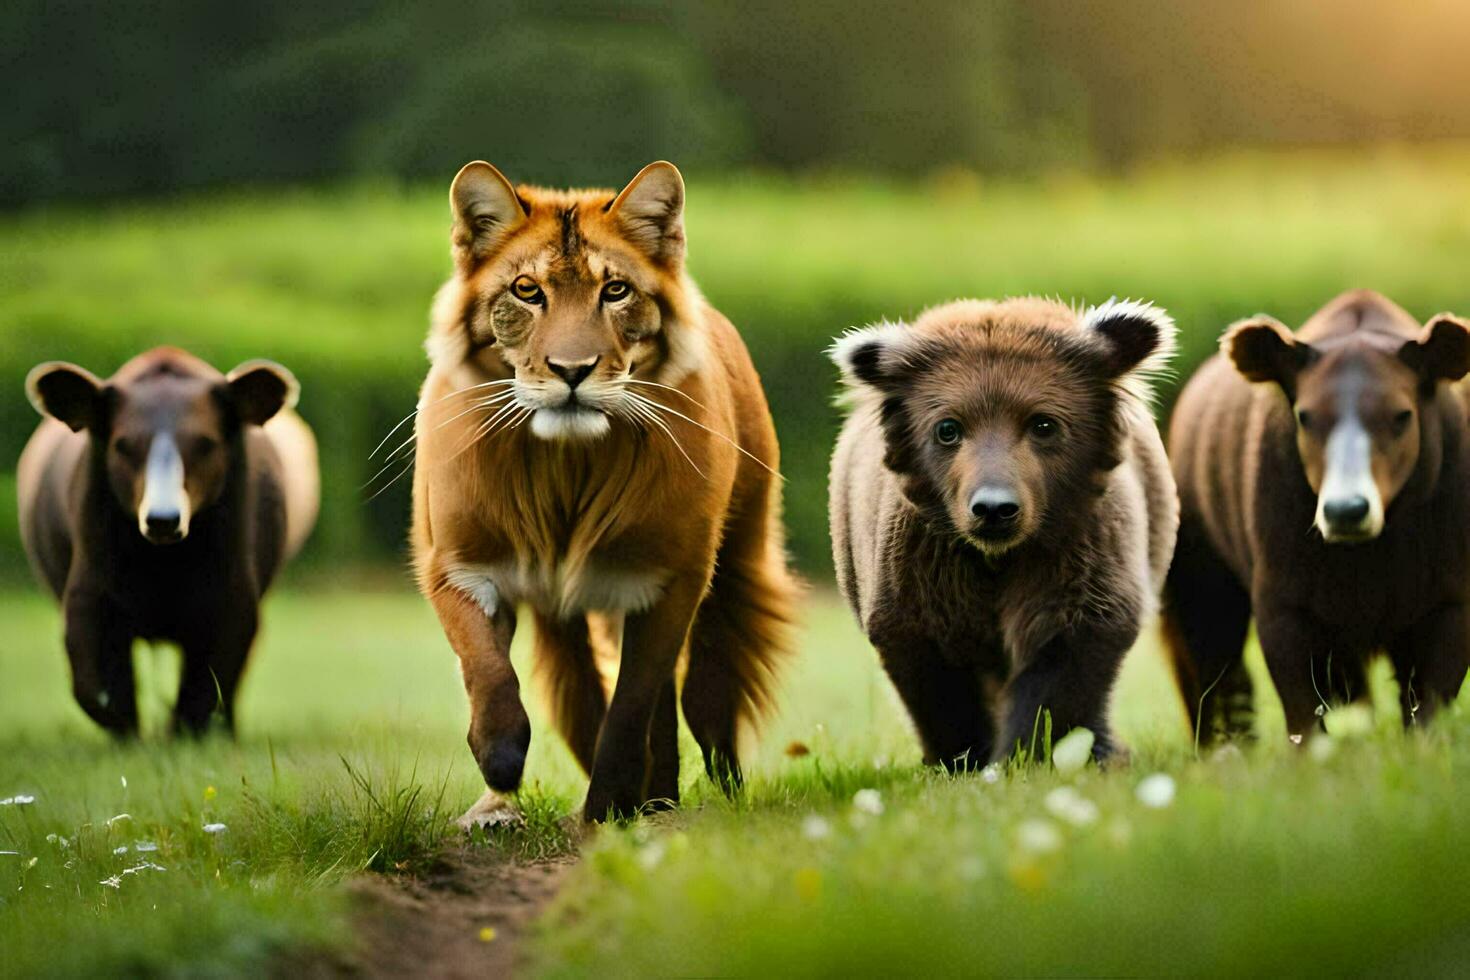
(995,507)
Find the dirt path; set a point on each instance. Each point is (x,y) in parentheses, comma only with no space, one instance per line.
(462,918)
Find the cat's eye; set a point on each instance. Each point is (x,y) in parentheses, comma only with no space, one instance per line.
(947,432)
(1043,426)
(615,290)
(526,290)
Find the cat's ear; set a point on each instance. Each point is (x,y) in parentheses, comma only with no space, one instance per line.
(651,212)
(486,210)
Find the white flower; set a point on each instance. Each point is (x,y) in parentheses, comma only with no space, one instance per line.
(215,828)
(815,827)
(991,773)
(868,801)
(651,854)
(19,799)
(1156,791)
(120,850)
(1038,836)
(145,847)
(1072,751)
(1070,806)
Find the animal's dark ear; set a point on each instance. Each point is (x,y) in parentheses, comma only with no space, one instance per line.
(260,389)
(1263,349)
(651,211)
(1137,337)
(65,392)
(871,355)
(1441,352)
(486,209)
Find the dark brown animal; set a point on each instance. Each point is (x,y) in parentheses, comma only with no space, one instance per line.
(1002,514)
(155,506)
(1322,478)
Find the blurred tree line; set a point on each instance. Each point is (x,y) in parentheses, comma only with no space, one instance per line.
(153,96)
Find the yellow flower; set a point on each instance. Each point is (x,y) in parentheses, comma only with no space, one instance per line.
(1028,874)
(210,793)
(487,934)
(808,883)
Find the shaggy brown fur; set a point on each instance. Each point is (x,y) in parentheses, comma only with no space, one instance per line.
(159,505)
(593,441)
(1328,499)
(1003,514)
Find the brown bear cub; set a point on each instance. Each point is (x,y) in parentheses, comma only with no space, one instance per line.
(1322,479)
(1003,514)
(158,505)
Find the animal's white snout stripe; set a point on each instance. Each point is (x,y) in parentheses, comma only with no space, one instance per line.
(163,484)
(1349,474)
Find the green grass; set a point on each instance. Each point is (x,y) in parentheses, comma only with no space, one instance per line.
(335,283)
(352,758)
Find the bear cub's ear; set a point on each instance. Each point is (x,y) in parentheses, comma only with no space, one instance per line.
(871,355)
(1137,337)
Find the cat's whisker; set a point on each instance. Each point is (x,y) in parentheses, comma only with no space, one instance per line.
(655,384)
(659,406)
(401,422)
(644,412)
(476,387)
(408,465)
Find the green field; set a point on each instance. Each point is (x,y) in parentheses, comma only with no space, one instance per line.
(1345,859)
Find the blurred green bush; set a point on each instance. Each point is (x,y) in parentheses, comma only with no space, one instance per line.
(336,284)
(155,96)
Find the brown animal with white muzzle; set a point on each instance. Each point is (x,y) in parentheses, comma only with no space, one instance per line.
(593,442)
(1322,476)
(158,505)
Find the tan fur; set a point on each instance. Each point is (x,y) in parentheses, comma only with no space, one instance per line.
(635,523)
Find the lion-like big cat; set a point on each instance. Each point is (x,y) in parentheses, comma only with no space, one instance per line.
(593,443)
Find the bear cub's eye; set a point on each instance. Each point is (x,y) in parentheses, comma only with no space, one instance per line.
(526,290)
(947,432)
(1043,426)
(1304,418)
(615,290)
(1401,422)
